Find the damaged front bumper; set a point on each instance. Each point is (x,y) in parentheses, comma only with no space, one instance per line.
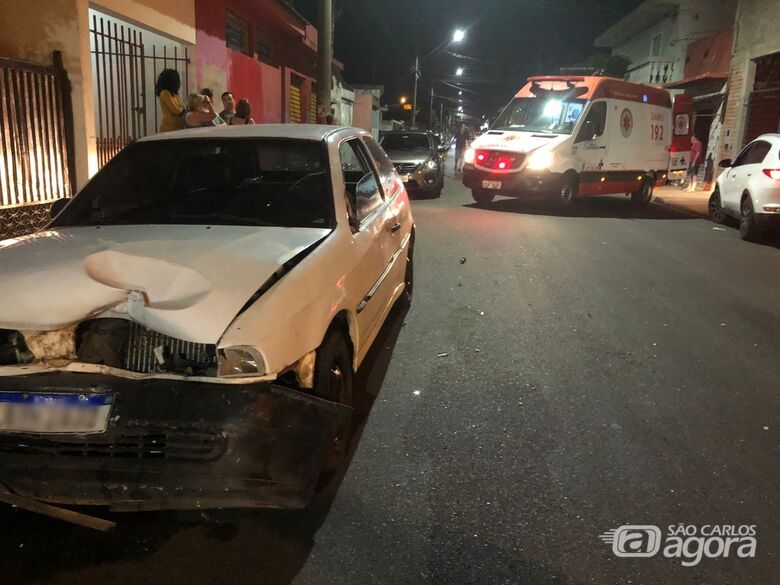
(175,444)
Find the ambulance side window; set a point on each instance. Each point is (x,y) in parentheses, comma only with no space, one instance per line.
(594,124)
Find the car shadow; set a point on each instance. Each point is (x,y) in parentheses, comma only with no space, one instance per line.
(219,546)
(593,207)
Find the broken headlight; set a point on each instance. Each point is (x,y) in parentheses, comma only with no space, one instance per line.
(13,349)
(240,361)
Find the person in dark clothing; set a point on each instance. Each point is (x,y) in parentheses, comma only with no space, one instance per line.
(229,105)
(461,143)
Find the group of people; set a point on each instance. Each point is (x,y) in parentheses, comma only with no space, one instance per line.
(199,110)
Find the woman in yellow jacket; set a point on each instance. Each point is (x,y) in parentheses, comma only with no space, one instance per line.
(167,90)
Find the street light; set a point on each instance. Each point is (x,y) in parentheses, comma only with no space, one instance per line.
(459,71)
(460,93)
(457,36)
(403,99)
(460,108)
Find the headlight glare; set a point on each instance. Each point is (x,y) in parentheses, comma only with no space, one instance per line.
(540,160)
(240,361)
(432,165)
(468,157)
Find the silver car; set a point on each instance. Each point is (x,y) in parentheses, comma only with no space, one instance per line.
(418,159)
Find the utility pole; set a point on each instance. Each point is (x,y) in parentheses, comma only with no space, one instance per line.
(430,112)
(324,56)
(416,77)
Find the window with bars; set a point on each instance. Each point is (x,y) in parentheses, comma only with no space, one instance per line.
(655,46)
(237,34)
(263,48)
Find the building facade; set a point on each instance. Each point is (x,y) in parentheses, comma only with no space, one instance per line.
(656,35)
(753,103)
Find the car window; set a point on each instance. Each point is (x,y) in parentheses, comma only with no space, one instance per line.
(757,153)
(360,179)
(268,182)
(594,123)
(740,160)
(383,164)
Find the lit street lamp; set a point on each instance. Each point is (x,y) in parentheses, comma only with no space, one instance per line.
(457,36)
(459,71)
(403,99)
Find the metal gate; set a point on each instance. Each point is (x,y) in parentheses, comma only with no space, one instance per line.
(35,142)
(124,74)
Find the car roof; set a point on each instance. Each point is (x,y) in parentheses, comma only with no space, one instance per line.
(294,131)
(409,132)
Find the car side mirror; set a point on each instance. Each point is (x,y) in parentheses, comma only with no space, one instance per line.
(58,206)
(725,163)
(443,149)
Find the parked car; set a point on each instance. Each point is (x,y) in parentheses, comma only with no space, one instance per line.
(749,189)
(418,159)
(185,332)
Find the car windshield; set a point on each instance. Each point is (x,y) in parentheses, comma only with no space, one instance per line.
(540,115)
(265,182)
(406,142)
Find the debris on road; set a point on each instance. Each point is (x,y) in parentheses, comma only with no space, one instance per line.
(719,229)
(443,354)
(463,260)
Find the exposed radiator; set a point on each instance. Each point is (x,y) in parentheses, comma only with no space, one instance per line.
(140,355)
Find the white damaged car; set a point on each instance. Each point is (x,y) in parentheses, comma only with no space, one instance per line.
(185,332)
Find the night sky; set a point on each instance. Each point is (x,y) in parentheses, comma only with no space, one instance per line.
(507,41)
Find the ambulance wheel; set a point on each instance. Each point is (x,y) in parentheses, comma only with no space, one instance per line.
(567,193)
(642,196)
(482,196)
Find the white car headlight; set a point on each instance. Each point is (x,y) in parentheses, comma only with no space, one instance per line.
(432,164)
(540,160)
(240,361)
(468,157)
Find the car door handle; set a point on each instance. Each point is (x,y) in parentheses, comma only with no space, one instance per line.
(395,227)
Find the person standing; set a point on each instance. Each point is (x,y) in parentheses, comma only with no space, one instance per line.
(167,91)
(201,112)
(696,156)
(229,107)
(243,113)
(461,143)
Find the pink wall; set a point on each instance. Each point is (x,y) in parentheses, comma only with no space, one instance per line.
(265,86)
(361,113)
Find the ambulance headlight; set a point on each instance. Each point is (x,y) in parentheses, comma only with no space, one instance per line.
(469,156)
(540,160)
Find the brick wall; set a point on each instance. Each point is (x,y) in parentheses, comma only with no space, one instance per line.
(755,36)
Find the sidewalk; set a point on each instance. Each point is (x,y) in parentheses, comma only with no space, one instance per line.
(694,203)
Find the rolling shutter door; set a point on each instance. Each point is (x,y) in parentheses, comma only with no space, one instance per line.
(313,108)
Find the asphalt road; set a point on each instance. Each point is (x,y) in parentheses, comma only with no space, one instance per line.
(576,373)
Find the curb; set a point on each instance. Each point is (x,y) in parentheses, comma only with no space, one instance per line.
(680,207)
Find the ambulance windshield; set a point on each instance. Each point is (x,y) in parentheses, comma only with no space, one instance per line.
(546,115)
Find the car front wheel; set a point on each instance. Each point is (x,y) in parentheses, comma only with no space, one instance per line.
(482,196)
(748,228)
(715,208)
(333,381)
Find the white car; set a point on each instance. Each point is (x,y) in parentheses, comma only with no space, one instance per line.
(185,332)
(749,189)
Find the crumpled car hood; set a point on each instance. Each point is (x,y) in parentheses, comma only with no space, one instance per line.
(188,282)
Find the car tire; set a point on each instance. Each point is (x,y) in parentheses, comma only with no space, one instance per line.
(333,382)
(644,195)
(406,296)
(483,197)
(748,228)
(715,210)
(567,193)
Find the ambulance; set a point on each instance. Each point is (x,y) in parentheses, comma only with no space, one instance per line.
(574,137)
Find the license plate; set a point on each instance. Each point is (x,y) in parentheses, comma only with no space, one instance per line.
(405,178)
(495,185)
(26,412)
